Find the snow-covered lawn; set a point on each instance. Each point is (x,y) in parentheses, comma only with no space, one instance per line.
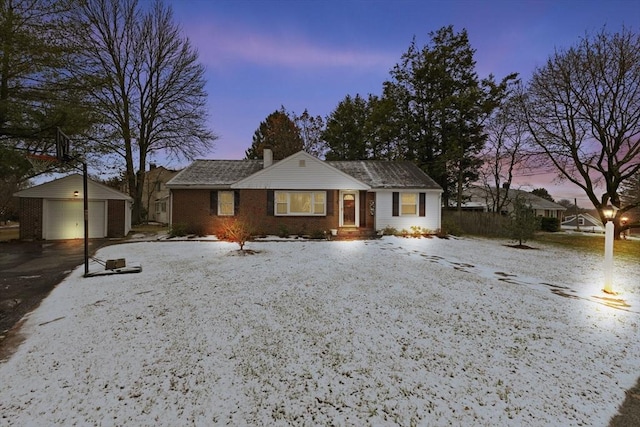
(387,332)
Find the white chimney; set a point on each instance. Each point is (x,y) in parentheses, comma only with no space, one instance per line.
(267,156)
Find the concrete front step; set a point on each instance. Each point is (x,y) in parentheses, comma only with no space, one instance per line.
(355,233)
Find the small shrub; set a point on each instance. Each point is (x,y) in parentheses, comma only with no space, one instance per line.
(283,231)
(178,230)
(318,234)
(389,231)
(237,230)
(450,226)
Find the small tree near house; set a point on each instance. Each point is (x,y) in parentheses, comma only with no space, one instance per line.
(524,222)
(236,229)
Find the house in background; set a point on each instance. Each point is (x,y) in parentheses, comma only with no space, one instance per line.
(305,195)
(55,210)
(155,193)
(479,198)
(582,222)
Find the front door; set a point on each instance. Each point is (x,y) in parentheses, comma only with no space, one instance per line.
(348,209)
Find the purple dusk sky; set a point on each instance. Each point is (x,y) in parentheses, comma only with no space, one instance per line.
(263,54)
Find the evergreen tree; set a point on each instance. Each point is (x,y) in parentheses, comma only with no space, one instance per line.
(441,106)
(39,51)
(542,192)
(278,132)
(524,222)
(345,132)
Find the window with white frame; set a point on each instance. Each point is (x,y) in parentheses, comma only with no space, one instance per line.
(580,221)
(161,207)
(300,203)
(408,204)
(225,203)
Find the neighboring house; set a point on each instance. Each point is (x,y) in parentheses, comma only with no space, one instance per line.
(480,199)
(155,193)
(582,222)
(55,210)
(305,195)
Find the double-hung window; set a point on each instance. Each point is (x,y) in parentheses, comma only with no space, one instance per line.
(408,204)
(300,203)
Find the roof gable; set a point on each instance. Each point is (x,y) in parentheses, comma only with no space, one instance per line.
(64,188)
(301,171)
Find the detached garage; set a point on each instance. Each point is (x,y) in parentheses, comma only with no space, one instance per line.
(55,210)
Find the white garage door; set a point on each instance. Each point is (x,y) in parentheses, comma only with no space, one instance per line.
(64,219)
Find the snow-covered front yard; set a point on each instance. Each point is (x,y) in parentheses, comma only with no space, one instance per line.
(387,332)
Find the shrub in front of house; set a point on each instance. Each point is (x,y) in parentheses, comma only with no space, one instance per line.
(550,224)
(235,229)
(178,230)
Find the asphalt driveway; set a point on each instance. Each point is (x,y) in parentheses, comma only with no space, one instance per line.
(30,270)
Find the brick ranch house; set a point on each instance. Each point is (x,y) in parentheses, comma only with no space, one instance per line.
(302,194)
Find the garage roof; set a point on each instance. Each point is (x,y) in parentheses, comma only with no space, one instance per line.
(64,188)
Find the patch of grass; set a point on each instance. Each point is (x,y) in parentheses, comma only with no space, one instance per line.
(9,233)
(592,243)
(149,228)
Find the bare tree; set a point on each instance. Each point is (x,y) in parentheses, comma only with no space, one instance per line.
(311,129)
(504,152)
(583,112)
(149,84)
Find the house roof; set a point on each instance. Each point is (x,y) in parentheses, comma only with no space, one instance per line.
(387,174)
(376,174)
(479,193)
(214,173)
(588,219)
(64,188)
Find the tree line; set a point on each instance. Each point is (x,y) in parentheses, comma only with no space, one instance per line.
(126,84)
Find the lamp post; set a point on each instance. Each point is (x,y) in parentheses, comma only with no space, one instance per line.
(609,213)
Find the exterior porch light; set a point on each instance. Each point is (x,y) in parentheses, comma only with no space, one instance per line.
(76,193)
(609,213)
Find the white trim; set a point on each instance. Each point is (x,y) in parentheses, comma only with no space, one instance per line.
(288,195)
(356,195)
(233,202)
(416,204)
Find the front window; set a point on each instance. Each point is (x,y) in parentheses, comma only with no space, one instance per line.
(408,204)
(300,203)
(225,203)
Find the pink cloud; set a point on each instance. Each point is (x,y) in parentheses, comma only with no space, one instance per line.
(220,47)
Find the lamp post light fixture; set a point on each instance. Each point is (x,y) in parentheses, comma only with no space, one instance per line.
(76,193)
(609,213)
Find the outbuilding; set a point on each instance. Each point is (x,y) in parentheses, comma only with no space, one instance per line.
(55,210)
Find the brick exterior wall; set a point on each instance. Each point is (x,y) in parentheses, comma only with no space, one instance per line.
(115,218)
(191,209)
(30,219)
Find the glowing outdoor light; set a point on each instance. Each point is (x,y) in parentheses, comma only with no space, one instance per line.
(75,193)
(609,213)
